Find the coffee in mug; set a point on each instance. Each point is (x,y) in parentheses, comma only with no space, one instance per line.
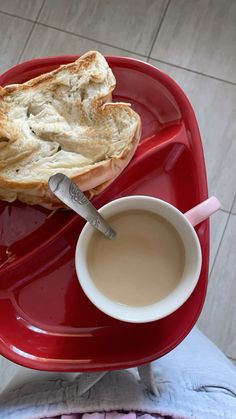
(143,264)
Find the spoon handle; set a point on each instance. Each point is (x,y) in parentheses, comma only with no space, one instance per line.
(69,193)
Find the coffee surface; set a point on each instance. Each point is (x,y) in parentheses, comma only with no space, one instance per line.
(143,264)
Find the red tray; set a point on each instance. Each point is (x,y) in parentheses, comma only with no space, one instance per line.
(46,320)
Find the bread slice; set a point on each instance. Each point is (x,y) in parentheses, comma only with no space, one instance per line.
(63,121)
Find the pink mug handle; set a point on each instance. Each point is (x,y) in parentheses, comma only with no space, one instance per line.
(203,210)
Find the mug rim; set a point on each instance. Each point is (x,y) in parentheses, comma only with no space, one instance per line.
(147,313)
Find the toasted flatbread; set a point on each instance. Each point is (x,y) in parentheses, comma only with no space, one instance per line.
(64,121)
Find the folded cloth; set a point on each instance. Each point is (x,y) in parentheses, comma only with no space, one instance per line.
(195,380)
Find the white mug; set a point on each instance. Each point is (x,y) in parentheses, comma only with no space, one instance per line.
(183,223)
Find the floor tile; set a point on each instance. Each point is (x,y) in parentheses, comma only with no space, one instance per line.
(55,42)
(200,35)
(218,318)
(128,24)
(24,8)
(13,35)
(217,226)
(234,206)
(214,103)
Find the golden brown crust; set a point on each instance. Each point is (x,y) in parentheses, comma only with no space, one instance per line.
(81,63)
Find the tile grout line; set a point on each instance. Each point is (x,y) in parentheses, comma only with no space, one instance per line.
(90,39)
(218,249)
(231,209)
(26,42)
(72,33)
(159,28)
(223,210)
(31,31)
(39,12)
(2,12)
(232,205)
(226,224)
(193,71)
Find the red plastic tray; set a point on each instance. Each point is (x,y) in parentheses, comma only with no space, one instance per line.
(46,320)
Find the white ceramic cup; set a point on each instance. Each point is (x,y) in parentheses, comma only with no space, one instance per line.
(183,223)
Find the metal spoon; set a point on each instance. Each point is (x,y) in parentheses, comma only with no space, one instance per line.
(69,193)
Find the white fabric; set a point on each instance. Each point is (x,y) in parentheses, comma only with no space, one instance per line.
(193,381)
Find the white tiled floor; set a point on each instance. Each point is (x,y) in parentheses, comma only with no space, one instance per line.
(218,317)
(13,34)
(55,42)
(193,41)
(217,227)
(200,35)
(128,24)
(234,206)
(24,8)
